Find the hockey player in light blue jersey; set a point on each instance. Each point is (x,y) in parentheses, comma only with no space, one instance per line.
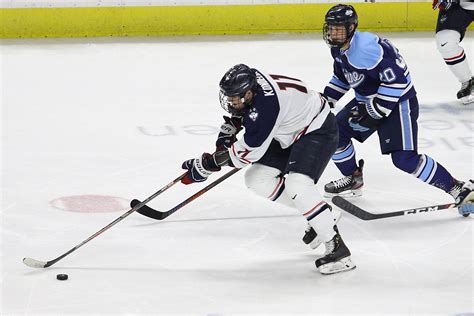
(385,102)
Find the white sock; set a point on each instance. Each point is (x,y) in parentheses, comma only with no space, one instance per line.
(447,42)
(310,203)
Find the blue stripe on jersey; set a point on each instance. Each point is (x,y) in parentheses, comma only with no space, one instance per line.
(405,121)
(363,98)
(392,92)
(332,93)
(365,51)
(339,83)
(395,89)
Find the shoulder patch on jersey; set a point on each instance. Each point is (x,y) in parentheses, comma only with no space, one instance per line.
(365,51)
(253,114)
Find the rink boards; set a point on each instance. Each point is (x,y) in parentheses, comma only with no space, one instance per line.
(127,19)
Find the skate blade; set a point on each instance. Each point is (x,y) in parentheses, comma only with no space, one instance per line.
(346,194)
(345,264)
(468,99)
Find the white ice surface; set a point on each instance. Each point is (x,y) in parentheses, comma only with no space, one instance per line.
(116,117)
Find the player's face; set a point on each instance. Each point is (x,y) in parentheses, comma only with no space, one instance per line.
(236,101)
(337,33)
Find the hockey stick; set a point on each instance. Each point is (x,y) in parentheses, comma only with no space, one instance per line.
(152,213)
(366,216)
(33,263)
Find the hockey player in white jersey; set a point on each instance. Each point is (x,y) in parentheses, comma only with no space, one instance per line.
(289,137)
(454,18)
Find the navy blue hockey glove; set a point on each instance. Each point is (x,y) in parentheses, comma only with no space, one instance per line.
(365,116)
(199,168)
(443,4)
(229,130)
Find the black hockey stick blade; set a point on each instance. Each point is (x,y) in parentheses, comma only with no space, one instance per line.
(152,213)
(367,216)
(147,211)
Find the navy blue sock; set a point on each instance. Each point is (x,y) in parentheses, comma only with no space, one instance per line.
(424,168)
(345,160)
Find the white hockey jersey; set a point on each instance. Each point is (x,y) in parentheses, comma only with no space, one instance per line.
(284,109)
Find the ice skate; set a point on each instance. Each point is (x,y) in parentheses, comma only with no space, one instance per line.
(347,186)
(454,192)
(337,257)
(466,94)
(311,237)
(463,193)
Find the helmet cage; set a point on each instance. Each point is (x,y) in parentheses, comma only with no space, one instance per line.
(337,43)
(227,105)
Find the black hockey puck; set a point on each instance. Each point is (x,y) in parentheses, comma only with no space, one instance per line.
(62,277)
